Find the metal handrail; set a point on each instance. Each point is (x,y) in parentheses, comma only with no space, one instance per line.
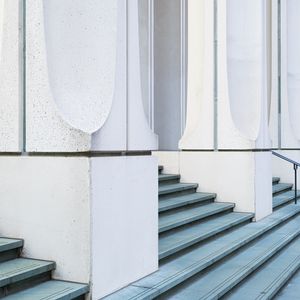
(296,165)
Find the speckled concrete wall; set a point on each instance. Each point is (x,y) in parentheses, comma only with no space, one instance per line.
(10,79)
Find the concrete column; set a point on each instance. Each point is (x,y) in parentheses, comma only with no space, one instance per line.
(237,119)
(290,74)
(199,131)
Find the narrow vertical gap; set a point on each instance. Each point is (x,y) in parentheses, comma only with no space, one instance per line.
(183,67)
(22,6)
(215,74)
(127,73)
(279,71)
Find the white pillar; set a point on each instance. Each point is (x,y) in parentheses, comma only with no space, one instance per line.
(199,131)
(239,119)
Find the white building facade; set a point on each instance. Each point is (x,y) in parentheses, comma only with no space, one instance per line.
(95,94)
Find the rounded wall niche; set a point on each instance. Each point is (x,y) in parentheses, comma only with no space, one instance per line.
(80,41)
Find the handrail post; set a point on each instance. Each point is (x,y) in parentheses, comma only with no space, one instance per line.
(295,170)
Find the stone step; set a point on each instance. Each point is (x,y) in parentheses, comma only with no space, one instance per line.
(15,272)
(173,241)
(291,290)
(168,178)
(268,280)
(224,276)
(188,263)
(284,198)
(179,201)
(9,248)
(171,220)
(275,180)
(179,188)
(52,290)
(281,187)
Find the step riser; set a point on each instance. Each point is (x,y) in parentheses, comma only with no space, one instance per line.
(189,204)
(285,203)
(169,181)
(282,192)
(24,284)
(10,254)
(183,247)
(177,193)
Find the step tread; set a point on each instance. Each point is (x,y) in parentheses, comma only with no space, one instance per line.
(223,277)
(183,216)
(285,197)
(166,177)
(176,187)
(178,201)
(51,290)
(22,268)
(7,244)
(267,281)
(280,187)
(196,259)
(172,242)
(292,290)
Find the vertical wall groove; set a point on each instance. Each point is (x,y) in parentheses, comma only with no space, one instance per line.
(151,62)
(23,73)
(215,75)
(183,70)
(279,72)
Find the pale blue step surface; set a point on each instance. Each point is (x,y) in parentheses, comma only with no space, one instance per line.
(187,215)
(281,187)
(226,275)
(284,198)
(51,290)
(268,280)
(194,260)
(178,187)
(291,291)
(19,269)
(179,201)
(172,242)
(167,177)
(7,244)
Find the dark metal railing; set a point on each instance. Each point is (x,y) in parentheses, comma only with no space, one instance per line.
(296,165)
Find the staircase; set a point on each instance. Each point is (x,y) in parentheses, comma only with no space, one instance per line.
(30,279)
(207,251)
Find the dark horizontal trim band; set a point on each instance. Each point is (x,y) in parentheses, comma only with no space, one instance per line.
(79,154)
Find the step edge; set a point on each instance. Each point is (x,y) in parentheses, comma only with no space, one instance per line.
(182,275)
(35,271)
(194,218)
(205,236)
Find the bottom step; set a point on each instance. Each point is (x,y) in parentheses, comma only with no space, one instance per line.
(52,290)
(292,290)
(266,282)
